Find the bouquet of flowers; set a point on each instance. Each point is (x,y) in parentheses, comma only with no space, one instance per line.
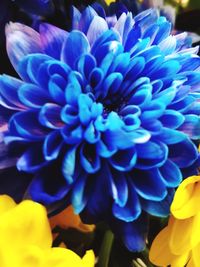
(100,131)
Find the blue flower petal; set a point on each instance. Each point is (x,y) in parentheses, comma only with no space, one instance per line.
(184,153)
(21,41)
(28,94)
(91,135)
(171,174)
(106,37)
(170,136)
(9,92)
(86,18)
(32,160)
(119,187)
(191,126)
(52,39)
(97,27)
(29,66)
(27,125)
(86,64)
(78,197)
(149,184)
(172,119)
(89,159)
(159,208)
(49,116)
(52,145)
(68,165)
(151,154)
(112,47)
(133,233)
(75,39)
(45,189)
(128,213)
(72,135)
(124,160)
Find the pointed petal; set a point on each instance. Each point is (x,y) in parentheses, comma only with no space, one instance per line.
(52,39)
(21,41)
(77,44)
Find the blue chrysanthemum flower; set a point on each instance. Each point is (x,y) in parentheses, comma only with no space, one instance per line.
(104,117)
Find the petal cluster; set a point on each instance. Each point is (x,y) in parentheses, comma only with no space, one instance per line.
(27,222)
(178,244)
(105,117)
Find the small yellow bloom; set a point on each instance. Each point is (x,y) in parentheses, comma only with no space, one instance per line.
(178,244)
(26,238)
(108,2)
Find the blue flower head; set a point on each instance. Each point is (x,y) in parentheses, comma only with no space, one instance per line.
(104,117)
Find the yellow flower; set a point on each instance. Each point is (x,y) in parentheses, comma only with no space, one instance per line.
(108,2)
(26,238)
(178,244)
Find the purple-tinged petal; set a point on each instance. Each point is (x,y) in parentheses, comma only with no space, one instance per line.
(86,18)
(97,27)
(21,40)
(28,126)
(75,17)
(191,126)
(52,39)
(9,93)
(49,116)
(184,153)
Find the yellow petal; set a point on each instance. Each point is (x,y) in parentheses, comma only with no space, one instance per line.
(181,260)
(108,2)
(195,257)
(26,238)
(160,253)
(27,223)
(67,218)
(6,203)
(89,259)
(30,256)
(185,234)
(60,257)
(187,198)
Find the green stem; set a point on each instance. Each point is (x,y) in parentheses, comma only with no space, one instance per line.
(106,246)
